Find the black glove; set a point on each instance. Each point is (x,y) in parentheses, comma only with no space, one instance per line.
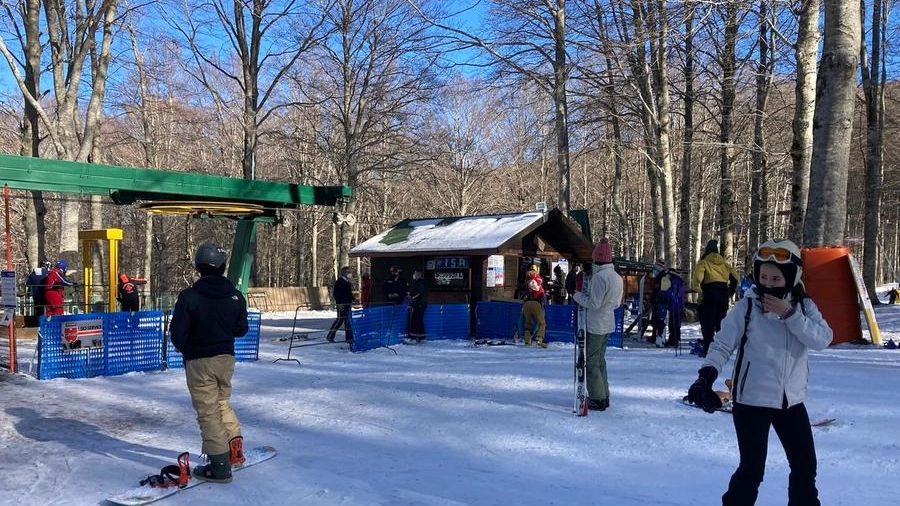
(701,392)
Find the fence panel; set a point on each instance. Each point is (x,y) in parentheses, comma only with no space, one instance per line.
(129,343)
(246,348)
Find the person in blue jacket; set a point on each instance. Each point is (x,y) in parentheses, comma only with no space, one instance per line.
(772,329)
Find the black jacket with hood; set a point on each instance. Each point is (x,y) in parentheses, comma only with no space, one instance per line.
(208,317)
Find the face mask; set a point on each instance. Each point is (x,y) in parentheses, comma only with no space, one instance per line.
(777,292)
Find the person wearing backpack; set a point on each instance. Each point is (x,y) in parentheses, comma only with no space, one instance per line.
(531,320)
(772,330)
(35,282)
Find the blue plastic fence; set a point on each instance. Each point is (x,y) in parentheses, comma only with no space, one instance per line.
(246,347)
(131,342)
(499,321)
(386,325)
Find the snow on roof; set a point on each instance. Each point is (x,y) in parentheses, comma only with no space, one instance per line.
(462,233)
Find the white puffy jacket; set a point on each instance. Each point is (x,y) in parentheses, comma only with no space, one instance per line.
(601,298)
(774,365)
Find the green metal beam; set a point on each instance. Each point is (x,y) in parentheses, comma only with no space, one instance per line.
(125,185)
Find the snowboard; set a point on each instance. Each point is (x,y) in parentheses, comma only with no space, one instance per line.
(580,407)
(492,342)
(147,494)
(726,407)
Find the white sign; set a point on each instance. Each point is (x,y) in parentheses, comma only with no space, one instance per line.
(8,289)
(495,272)
(82,334)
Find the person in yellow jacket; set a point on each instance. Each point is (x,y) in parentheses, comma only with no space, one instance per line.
(716,280)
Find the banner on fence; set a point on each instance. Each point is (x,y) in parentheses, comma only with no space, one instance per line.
(82,334)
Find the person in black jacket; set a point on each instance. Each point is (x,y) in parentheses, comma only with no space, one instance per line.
(418,303)
(35,283)
(343,301)
(207,318)
(394,287)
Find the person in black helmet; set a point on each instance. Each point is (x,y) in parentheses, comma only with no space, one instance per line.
(207,318)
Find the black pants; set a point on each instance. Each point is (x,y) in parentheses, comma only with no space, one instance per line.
(713,308)
(37,310)
(343,319)
(416,329)
(751,424)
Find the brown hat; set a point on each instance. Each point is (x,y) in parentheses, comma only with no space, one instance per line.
(602,252)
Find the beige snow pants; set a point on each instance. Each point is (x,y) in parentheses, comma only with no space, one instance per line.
(209,382)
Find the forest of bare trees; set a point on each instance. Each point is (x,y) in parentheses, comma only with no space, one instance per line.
(669,122)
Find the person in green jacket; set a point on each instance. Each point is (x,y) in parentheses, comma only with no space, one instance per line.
(716,280)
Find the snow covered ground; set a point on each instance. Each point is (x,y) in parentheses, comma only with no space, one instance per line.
(445,423)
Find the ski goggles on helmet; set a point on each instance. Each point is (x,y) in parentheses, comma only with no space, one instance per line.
(777,254)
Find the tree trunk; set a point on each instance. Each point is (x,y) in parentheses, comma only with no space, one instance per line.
(873,75)
(805,53)
(560,103)
(728,62)
(685,258)
(36,210)
(833,126)
(759,194)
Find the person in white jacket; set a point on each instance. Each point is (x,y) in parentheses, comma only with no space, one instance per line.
(771,328)
(600,300)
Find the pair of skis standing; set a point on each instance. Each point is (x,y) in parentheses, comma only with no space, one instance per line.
(582,399)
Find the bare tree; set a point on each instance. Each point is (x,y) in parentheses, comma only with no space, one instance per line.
(266,38)
(874,76)
(30,131)
(826,213)
(527,40)
(465,137)
(374,72)
(687,155)
(805,52)
(79,37)
(647,38)
(759,193)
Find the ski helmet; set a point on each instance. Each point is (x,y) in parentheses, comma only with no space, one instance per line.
(782,253)
(62,264)
(209,254)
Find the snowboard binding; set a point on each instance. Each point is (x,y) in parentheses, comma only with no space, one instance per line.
(171,475)
(236,451)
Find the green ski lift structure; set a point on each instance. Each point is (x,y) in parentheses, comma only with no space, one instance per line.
(165,192)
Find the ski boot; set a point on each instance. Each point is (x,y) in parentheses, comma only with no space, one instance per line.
(218,470)
(236,451)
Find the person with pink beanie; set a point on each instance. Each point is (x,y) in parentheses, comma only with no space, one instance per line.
(600,300)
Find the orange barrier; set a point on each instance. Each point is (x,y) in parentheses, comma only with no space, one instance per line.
(829,281)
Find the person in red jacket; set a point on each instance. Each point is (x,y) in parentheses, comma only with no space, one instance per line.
(531,321)
(53,288)
(365,289)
